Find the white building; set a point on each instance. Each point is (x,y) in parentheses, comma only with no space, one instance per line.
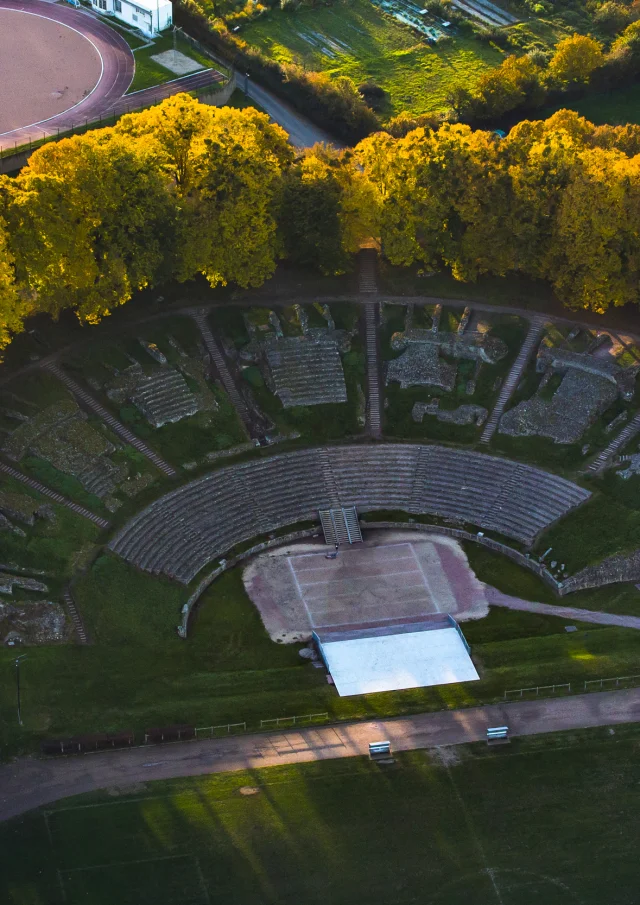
(149,16)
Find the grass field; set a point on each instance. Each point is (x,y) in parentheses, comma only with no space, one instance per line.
(548,821)
(357,40)
(615,108)
(149,72)
(137,673)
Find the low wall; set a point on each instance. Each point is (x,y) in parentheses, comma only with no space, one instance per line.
(189,606)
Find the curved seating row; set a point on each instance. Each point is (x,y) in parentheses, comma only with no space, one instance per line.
(181,532)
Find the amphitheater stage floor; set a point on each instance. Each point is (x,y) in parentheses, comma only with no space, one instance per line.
(392,577)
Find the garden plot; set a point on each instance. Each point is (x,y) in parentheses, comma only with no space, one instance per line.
(158,383)
(362,41)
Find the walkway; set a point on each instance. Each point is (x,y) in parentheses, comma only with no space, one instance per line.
(216,356)
(374,396)
(571,614)
(116,426)
(302,132)
(626,434)
(29,783)
(513,378)
(53,495)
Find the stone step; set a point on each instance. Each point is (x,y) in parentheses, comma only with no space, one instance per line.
(221,366)
(53,495)
(536,327)
(116,426)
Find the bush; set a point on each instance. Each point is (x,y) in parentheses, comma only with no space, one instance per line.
(373,94)
(611,18)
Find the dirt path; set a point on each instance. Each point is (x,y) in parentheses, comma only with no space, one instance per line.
(572,614)
(29,783)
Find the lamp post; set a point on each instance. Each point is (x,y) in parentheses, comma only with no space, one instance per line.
(17,661)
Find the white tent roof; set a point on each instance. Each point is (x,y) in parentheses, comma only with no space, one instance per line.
(389,662)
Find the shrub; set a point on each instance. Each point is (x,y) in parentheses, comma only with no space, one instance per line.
(611,18)
(373,94)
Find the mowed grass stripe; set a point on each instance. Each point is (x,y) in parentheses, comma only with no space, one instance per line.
(465,827)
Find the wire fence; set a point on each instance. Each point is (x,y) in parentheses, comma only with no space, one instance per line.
(569,687)
(86,124)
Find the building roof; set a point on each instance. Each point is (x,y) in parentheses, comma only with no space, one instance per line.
(402,657)
(149,5)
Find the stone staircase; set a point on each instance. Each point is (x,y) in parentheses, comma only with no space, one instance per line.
(340,526)
(75,617)
(116,426)
(513,378)
(221,366)
(374,401)
(367,260)
(626,434)
(53,495)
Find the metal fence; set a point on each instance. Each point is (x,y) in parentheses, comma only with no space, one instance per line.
(294,720)
(567,687)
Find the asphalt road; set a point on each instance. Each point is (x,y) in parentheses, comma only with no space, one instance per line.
(29,782)
(302,132)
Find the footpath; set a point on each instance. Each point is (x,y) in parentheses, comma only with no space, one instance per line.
(30,782)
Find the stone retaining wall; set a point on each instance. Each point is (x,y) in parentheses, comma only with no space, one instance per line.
(189,606)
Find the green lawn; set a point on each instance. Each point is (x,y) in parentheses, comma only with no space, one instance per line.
(149,72)
(137,673)
(550,820)
(615,108)
(357,40)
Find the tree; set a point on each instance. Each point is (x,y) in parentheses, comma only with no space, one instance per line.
(92,220)
(227,225)
(611,17)
(13,306)
(507,86)
(309,217)
(575,58)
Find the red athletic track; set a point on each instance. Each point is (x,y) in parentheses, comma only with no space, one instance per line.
(118,63)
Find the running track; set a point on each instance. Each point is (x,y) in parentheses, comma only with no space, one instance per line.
(30,782)
(119,66)
(117,74)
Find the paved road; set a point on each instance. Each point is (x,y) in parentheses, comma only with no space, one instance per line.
(570,613)
(117,73)
(29,783)
(302,132)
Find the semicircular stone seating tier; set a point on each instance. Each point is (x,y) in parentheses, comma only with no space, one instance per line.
(178,534)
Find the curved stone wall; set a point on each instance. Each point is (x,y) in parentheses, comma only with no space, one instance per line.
(193,525)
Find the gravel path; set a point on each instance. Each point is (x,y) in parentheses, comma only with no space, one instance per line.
(29,783)
(571,614)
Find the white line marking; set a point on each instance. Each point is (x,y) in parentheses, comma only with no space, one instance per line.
(74,870)
(310,584)
(71,28)
(300,594)
(426,583)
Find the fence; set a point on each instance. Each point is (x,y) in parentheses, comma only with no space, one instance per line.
(211,731)
(294,720)
(584,685)
(16,157)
